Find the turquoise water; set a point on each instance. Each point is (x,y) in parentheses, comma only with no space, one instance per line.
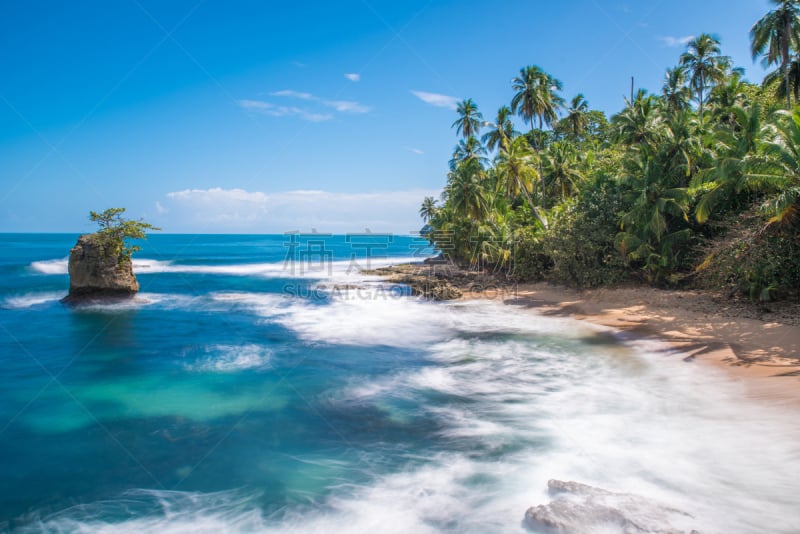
(261,384)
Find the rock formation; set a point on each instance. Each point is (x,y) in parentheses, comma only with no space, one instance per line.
(579,508)
(96,270)
(423,280)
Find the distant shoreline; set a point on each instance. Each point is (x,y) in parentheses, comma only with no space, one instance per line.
(754,343)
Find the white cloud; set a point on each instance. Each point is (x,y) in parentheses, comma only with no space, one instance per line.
(294,94)
(267,108)
(353,77)
(216,194)
(160,209)
(415,150)
(677,41)
(305,114)
(219,210)
(254,104)
(346,106)
(435,99)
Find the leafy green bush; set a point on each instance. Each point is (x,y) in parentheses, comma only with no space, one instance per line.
(761,264)
(531,263)
(580,239)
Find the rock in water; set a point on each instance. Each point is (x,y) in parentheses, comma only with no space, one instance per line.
(581,509)
(95,272)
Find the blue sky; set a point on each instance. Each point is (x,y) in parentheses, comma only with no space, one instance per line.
(260,117)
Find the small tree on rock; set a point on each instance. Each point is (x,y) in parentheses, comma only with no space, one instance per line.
(116,230)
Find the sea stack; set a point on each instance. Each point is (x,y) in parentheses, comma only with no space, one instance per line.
(96,271)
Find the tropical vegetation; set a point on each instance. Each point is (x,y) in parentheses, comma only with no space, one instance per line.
(116,232)
(698,185)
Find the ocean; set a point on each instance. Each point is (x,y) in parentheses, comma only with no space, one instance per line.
(262,384)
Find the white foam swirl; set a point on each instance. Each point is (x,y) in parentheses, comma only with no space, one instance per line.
(57,266)
(333,270)
(232,358)
(28,300)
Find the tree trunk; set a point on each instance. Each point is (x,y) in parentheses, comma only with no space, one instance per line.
(541,171)
(786,85)
(785,66)
(525,191)
(702,84)
(534,209)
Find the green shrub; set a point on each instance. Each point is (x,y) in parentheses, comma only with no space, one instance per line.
(531,263)
(754,262)
(580,239)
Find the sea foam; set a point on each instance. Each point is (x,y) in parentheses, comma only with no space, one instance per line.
(518,408)
(332,270)
(231,358)
(57,266)
(517,399)
(29,300)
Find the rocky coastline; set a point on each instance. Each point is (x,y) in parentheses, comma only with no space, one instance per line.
(439,279)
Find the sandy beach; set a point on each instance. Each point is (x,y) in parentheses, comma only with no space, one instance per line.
(759,344)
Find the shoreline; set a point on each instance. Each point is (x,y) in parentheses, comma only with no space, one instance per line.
(757,344)
(764,355)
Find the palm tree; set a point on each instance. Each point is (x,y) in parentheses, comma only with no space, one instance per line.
(636,125)
(774,35)
(794,80)
(469,149)
(493,240)
(465,191)
(680,146)
(502,130)
(676,94)
(428,209)
(651,229)
(469,119)
(536,97)
(654,204)
(515,169)
(725,97)
(577,115)
(784,176)
(705,65)
(516,173)
(738,159)
(561,164)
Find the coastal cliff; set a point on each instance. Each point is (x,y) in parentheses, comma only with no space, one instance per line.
(96,270)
